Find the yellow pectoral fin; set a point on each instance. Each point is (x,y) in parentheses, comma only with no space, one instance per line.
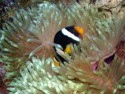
(68,49)
(56,63)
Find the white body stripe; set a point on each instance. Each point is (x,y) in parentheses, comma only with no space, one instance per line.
(70,35)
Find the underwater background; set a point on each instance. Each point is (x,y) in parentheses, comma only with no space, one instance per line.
(96,65)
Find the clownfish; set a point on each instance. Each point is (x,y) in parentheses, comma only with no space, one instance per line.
(65,37)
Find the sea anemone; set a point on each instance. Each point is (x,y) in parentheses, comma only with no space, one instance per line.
(38,77)
(30,37)
(103,38)
(102,33)
(31,29)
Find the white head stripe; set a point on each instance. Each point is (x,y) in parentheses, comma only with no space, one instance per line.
(70,35)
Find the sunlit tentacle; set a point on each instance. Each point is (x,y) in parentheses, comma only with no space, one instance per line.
(43,45)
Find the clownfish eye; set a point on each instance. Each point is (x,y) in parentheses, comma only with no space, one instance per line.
(65,37)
